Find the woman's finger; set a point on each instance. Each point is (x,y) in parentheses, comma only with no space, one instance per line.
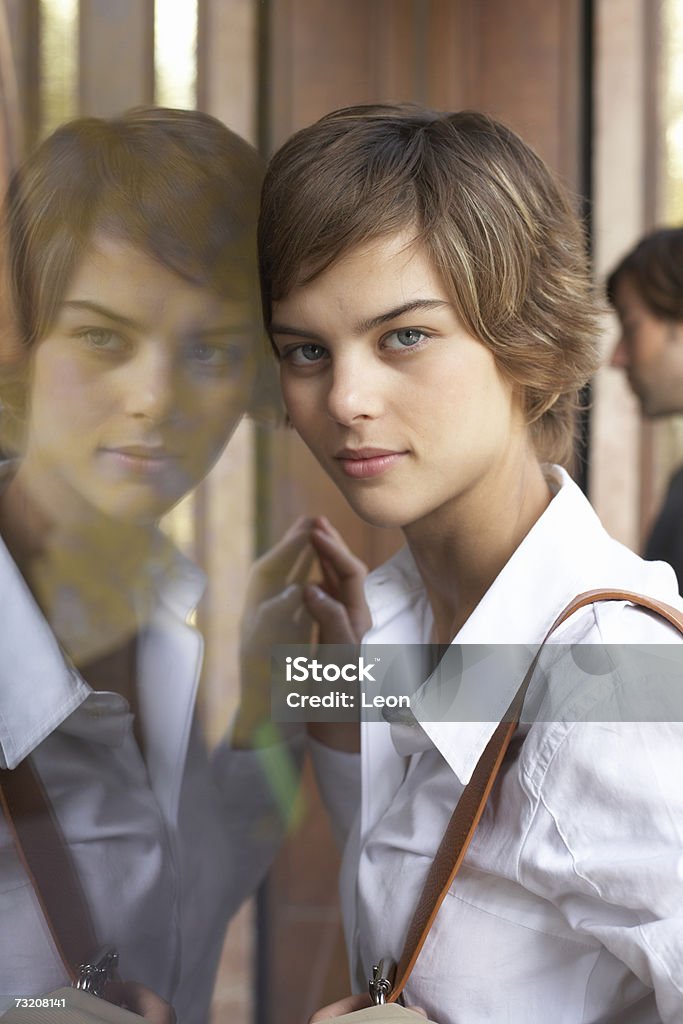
(347,565)
(350,572)
(282,564)
(332,617)
(282,619)
(330,577)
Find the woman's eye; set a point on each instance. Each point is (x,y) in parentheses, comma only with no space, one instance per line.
(99,339)
(217,356)
(305,355)
(208,355)
(404,338)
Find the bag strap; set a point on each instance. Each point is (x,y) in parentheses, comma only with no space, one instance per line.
(470,807)
(47,861)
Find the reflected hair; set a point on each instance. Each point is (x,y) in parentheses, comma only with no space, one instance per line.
(176,184)
(493,220)
(655,267)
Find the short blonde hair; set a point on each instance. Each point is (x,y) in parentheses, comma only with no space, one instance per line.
(497,225)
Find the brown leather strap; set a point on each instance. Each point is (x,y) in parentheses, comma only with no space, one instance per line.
(470,807)
(46,859)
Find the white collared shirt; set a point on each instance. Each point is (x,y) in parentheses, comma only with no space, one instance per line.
(569,905)
(166,848)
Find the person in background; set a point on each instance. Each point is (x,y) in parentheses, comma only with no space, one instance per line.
(135,350)
(646,291)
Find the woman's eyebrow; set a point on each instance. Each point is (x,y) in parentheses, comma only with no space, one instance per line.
(109,314)
(365,325)
(393,314)
(295,332)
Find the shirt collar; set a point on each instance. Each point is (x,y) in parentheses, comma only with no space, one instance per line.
(39,688)
(566,552)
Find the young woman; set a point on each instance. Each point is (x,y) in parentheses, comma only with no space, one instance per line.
(131,268)
(426,291)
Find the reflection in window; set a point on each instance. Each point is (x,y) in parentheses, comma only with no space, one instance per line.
(58,62)
(175,53)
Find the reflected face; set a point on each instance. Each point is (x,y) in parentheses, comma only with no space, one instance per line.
(403,408)
(135,389)
(650,351)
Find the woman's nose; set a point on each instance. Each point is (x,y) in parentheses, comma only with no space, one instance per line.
(149,384)
(355,392)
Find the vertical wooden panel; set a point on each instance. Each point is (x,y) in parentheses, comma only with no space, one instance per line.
(632,457)
(9,99)
(619,219)
(227,63)
(227,88)
(453,54)
(518,62)
(23,28)
(524,76)
(327,55)
(116,55)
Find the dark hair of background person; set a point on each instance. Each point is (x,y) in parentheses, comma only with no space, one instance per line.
(655,267)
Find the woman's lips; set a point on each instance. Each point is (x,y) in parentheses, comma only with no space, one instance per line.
(141,460)
(363,463)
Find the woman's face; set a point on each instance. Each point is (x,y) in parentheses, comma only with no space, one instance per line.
(135,389)
(404,409)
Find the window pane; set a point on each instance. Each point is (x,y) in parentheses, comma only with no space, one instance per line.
(671,185)
(175,53)
(58,62)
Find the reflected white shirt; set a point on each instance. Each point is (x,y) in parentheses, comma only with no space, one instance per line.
(166,848)
(569,905)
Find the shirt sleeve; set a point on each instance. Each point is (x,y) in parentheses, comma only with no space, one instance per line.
(338,775)
(605,845)
(260,793)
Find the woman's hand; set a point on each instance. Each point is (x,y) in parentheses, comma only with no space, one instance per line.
(339,608)
(137,998)
(337,604)
(274,613)
(282,608)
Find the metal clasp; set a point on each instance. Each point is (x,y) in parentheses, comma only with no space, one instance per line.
(94,974)
(382,981)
